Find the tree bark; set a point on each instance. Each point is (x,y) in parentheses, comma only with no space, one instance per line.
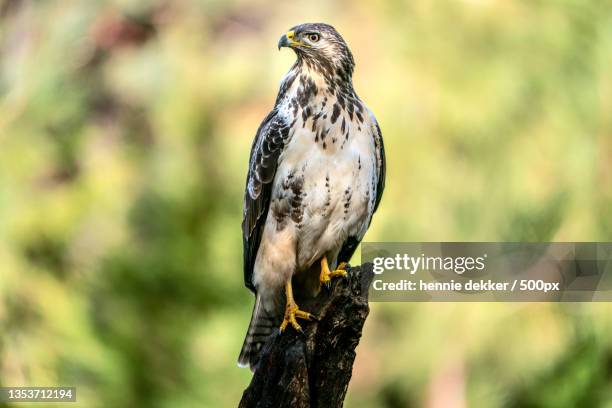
(313,369)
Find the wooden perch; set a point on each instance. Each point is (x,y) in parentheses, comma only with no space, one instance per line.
(314,369)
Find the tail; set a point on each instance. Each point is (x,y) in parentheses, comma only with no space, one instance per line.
(261,326)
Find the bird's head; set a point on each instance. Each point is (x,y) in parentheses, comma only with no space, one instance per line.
(321,46)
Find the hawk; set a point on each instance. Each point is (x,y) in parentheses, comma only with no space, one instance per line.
(316,176)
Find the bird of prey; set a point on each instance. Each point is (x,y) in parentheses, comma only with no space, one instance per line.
(316,176)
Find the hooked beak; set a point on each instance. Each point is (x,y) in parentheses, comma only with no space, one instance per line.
(288,40)
(283,42)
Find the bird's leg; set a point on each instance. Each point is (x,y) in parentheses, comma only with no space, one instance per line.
(327,275)
(292,311)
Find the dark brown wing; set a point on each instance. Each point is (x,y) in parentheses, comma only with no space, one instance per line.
(269,142)
(351,244)
(381,162)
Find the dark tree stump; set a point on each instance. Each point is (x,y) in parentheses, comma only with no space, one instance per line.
(313,370)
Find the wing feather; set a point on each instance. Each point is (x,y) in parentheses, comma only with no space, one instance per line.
(381,163)
(269,142)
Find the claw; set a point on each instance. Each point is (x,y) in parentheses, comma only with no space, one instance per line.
(293,312)
(327,275)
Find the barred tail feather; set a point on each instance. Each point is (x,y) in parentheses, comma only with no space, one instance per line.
(260,328)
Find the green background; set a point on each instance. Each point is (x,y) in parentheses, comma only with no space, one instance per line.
(125,129)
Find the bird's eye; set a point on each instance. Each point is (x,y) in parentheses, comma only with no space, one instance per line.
(313,37)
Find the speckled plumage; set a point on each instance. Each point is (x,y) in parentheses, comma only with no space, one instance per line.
(316,176)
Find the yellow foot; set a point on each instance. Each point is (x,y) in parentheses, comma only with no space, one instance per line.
(292,313)
(327,275)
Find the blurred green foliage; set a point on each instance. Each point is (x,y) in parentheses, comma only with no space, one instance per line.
(125,128)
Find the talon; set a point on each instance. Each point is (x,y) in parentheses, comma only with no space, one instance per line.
(327,275)
(283,326)
(293,312)
(341,270)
